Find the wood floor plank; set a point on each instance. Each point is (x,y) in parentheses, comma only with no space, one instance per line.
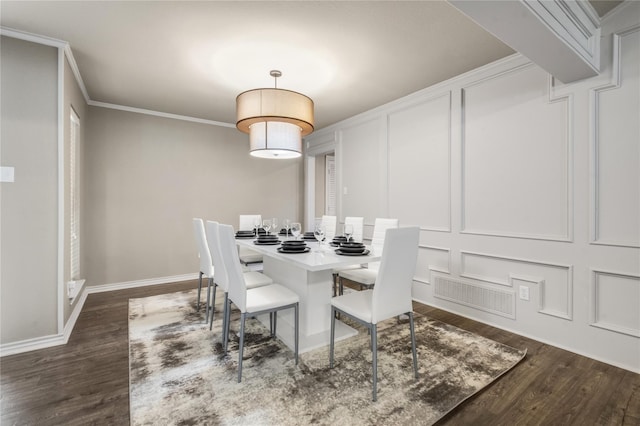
(86,381)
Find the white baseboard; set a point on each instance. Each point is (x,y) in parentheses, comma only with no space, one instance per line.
(43,342)
(31,344)
(141,283)
(46,341)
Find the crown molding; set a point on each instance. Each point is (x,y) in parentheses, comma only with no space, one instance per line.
(66,47)
(34,38)
(160,114)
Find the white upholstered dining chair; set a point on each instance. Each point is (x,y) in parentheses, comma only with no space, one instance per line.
(255,301)
(390,297)
(252,279)
(206,263)
(329,224)
(366,277)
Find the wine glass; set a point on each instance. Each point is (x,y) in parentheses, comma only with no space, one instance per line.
(348,231)
(318,232)
(266,224)
(274,225)
(295,229)
(287,225)
(256,225)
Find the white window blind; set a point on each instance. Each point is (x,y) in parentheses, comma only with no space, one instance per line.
(330,185)
(74,193)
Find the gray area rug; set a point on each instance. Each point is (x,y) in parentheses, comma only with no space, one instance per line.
(178,374)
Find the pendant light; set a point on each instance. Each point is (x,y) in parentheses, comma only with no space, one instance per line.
(275,119)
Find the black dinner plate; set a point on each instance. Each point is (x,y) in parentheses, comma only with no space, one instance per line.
(294,243)
(266,243)
(343,253)
(294,246)
(284,250)
(351,249)
(245,236)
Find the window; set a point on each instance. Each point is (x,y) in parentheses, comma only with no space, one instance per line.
(74,195)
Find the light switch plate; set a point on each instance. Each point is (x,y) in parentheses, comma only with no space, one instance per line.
(524,292)
(7,174)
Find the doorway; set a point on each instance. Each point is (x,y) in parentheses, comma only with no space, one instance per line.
(325,185)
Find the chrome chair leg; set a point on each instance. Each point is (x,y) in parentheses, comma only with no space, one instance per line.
(199,290)
(213,299)
(275,324)
(243,317)
(297,330)
(333,335)
(374,344)
(209,306)
(413,344)
(225,331)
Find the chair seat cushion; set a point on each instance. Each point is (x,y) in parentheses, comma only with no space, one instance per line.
(346,268)
(269,297)
(249,256)
(357,304)
(253,279)
(363,275)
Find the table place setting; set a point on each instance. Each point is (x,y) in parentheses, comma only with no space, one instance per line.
(337,240)
(294,246)
(245,234)
(352,249)
(267,240)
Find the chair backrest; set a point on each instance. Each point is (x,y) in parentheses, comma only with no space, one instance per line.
(329,224)
(237,290)
(380,227)
(213,240)
(247,221)
(358,227)
(392,292)
(206,264)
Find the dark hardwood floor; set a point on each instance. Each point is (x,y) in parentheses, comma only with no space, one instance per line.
(87,381)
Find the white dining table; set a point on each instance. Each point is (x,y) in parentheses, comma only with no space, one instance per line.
(310,276)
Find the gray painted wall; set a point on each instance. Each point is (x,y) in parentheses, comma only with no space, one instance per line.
(28,207)
(147,177)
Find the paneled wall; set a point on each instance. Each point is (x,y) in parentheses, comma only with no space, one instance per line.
(526,191)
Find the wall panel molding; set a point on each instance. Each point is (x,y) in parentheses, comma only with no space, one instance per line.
(555,280)
(428,264)
(562,201)
(615,298)
(416,130)
(595,188)
(539,284)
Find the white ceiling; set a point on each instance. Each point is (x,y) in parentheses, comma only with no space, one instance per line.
(193,58)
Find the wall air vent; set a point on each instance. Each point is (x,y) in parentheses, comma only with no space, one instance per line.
(490,299)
